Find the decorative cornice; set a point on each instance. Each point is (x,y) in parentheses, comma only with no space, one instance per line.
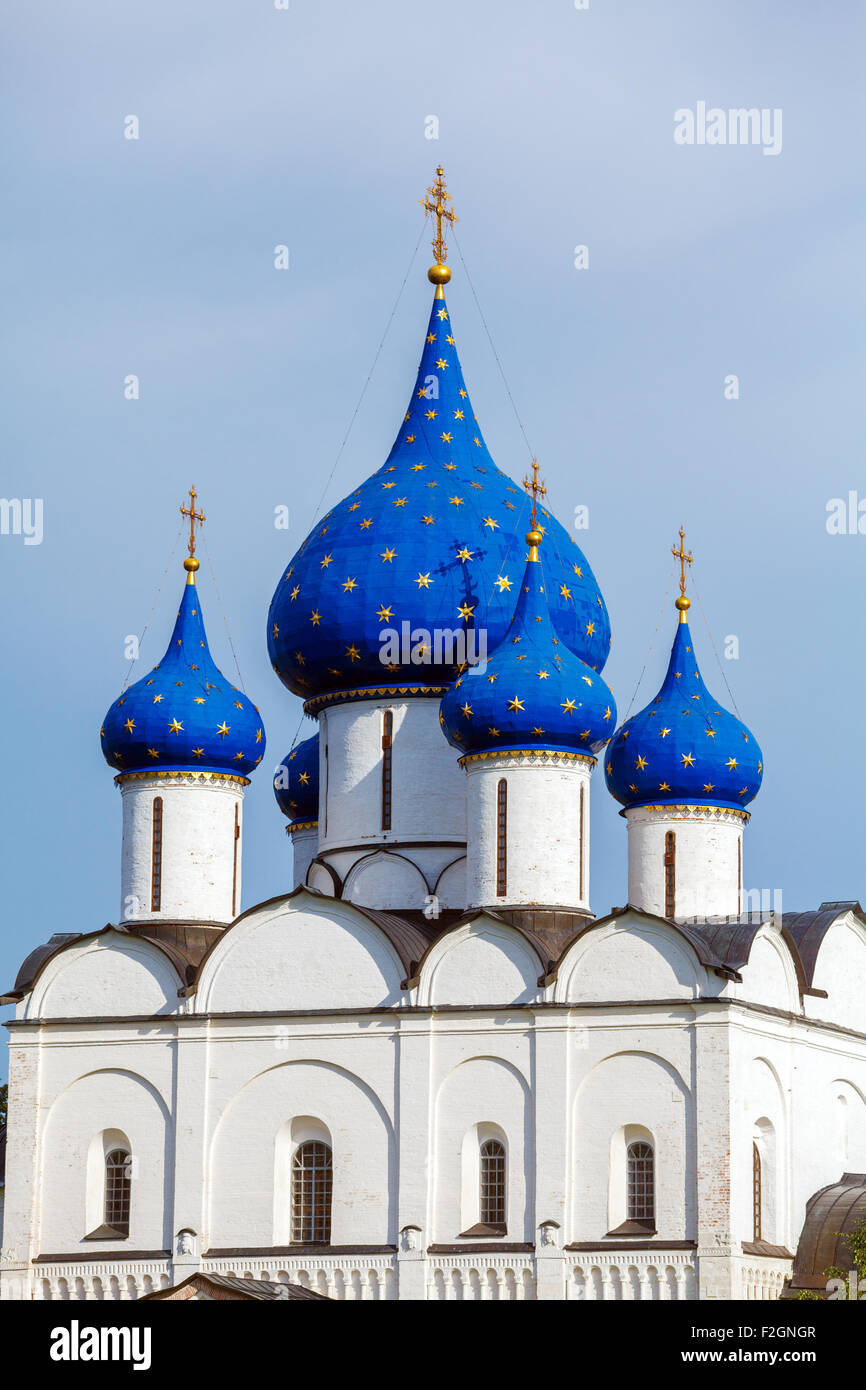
(184,776)
(531,757)
(371,692)
(301,825)
(691,811)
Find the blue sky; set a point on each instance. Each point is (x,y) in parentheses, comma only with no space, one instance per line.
(307,127)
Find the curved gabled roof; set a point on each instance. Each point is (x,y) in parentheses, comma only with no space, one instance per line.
(808,929)
(831,1214)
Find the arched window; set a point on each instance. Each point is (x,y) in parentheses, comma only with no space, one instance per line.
(492,1183)
(312,1185)
(757,1213)
(640,1195)
(670,874)
(118,1189)
(580,843)
(387,740)
(156,856)
(235,845)
(501,833)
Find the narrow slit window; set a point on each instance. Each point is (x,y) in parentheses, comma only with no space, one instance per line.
(235,847)
(580,841)
(757,1201)
(739,875)
(501,838)
(118,1190)
(670,874)
(387,740)
(493,1183)
(641,1182)
(156,857)
(312,1188)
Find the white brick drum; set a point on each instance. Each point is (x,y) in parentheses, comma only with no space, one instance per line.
(708,859)
(202,826)
(547,833)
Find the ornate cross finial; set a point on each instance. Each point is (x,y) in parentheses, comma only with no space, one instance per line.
(191,564)
(685,558)
(536,487)
(436,202)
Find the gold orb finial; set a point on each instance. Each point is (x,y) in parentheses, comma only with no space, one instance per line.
(683,604)
(436,203)
(191,564)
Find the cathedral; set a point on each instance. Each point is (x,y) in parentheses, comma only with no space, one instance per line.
(429,1068)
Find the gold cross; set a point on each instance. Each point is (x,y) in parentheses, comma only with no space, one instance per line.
(436,202)
(684,559)
(536,488)
(194,517)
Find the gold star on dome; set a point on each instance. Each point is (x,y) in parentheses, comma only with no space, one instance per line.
(466,710)
(295,592)
(494,733)
(153,753)
(442,313)
(640,762)
(431,338)
(175,727)
(387,555)
(493,678)
(607,714)
(400,501)
(760,767)
(325,561)
(352,653)
(543,675)
(732,763)
(417,467)
(688,759)
(709,787)
(742,791)
(238,704)
(349,586)
(129,725)
(465,611)
(503,582)
(663,787)
(590,629)
(424,581)
(158,698)
(223,729)
(565,591)
(578,571)
(663,733)
(275,630)
(441,363)
(304,778)
(354,507)
(569,706)
(258,735)
(315,617)
(464,554)
(429,520)
(515,704)
(458,415)
(384,614)
(198,752)
(410,439)
(431,414)
(587,680)
(200,699)
(477,441)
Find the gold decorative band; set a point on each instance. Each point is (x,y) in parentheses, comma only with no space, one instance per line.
(301,825)
(197,775)
(372,692)
(692,806)
(503,754)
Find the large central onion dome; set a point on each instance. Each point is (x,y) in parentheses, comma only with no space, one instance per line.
(428,547)
(533,693)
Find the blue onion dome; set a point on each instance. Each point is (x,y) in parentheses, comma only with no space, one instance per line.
(684,748)
(296,782)
(427,545)
(185,714)
(532,693)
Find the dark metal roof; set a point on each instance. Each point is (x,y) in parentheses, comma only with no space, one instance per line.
(808,930)
(831,1214)
(265,1289)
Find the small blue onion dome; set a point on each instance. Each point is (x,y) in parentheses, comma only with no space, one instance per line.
(532,692)
(296,782)
(428,545)
(684,748)
(185,714)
